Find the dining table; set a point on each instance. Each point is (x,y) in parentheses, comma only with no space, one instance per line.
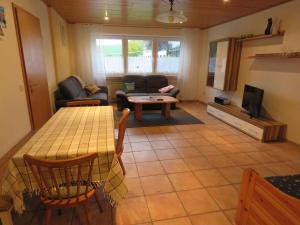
(69,133)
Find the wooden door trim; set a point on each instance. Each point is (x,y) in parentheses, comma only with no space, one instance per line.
(21,55)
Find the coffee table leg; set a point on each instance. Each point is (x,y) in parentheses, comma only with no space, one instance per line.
(138,111)
(166,110)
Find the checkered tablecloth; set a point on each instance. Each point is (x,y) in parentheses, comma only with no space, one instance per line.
(71,132)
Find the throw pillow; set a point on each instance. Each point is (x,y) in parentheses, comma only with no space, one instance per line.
(92,89)
(166,89)
(129,87)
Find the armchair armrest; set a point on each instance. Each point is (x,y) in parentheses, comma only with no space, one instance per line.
(174,92)
(103,89)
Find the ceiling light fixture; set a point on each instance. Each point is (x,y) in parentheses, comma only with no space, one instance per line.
(172,16)
(106,16)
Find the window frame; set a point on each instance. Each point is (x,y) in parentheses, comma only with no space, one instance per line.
(167,39)
(154,40)
(104,37)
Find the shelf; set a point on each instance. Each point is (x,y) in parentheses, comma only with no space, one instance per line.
(262,36)
(295,55)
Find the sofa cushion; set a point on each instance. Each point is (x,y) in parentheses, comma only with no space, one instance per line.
(71,88)
(155,82)
(103,97)
(139,83)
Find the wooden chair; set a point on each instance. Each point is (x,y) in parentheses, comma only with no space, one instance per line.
(64,183)
(121,133)
(262,203)
(79,103)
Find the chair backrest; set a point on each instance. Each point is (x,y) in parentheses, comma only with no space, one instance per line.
(121,131)
(54,176)
(79,103)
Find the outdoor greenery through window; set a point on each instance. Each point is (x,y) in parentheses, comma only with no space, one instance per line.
(112,55)
(138,56)
(168,56)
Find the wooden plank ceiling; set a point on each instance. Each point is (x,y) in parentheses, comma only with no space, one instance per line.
(142,13)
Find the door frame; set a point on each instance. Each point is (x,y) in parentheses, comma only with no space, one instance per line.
(21,55)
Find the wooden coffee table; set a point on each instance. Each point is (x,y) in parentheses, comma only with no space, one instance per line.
(139,101)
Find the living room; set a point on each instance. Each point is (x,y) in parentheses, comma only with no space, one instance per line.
(184,154)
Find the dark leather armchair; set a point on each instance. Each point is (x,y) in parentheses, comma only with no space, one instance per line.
(144,86)
(70,89)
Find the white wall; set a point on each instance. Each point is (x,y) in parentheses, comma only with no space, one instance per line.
(14,117)
(279,78)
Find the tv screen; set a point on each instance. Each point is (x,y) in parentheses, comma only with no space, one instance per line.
(252,100)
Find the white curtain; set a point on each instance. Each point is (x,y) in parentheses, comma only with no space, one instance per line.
(188,76)
(87,56)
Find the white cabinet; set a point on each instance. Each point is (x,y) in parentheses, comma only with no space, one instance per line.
(242,125)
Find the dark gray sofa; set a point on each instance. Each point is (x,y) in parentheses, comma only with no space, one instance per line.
(144,86)
(70,89)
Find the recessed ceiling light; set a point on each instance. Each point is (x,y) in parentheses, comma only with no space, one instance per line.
(226,1)
(106,16)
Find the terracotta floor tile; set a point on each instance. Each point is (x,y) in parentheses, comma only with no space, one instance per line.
(209,150)
(168,129)
(197,201)
(165,206)
(184,181)
(131,170)
(174,136)
(152,130)
(150,169)
(161,144)
(141,146)
(261,157)
(230,214)
(188,152)
(156,184)
(132,211)
(156,137)
(127,147)
(216,218)
(127,157)
(198,163)
(135,131)
(241,159)
(227,148)
(167,154)
(232,174)
(262,170)
(190,134)
(225,196)
(280,169)
(134,187)
(145,156)
(175,166)
(177,143)
(178,221)
(220,161)
(200,141)
(210,178)
(138,138)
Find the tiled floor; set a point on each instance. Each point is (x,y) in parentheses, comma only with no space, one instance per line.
(185,175)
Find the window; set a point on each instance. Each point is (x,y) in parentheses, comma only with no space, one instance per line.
(140,56)
(111,53)
(168,56)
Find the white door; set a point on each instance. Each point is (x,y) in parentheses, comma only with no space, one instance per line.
(221,62)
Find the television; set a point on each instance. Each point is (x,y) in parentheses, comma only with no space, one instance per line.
(252,100)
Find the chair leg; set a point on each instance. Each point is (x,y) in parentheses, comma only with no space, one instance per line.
(86,212)
(48,216)
(98,202)
(122,165)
